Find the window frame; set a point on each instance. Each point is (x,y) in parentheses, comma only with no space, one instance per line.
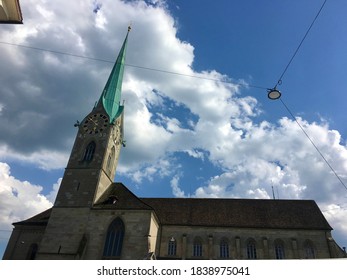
(197,247)
(32,252)
(251,249)
(113,244)
(279,250)
(224,252)
(310,252)
(89,152)
(172,247)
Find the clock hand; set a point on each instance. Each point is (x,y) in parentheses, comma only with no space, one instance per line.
(92,120)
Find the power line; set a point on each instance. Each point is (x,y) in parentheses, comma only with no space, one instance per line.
(297,49)
(314,145)
(290,112)
(196,77)
(56,52)
(132,65)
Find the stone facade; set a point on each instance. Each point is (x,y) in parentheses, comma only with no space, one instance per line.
(150,232)
(237,239)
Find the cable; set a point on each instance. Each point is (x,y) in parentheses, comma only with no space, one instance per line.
(196,77)
(133,66)
(297,49)
(314,145)
(279,82)
(56,52)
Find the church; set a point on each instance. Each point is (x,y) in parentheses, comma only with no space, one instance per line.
(94,218)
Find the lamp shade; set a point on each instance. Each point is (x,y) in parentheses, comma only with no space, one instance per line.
(274,94)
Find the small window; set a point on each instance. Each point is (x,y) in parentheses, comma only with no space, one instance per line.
(89,152)
(224,249)
(251,250)
(309,250)
(32,251)
(172,246)
(197,248)
(279,250)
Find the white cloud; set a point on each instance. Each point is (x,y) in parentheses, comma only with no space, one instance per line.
(283,155)
(19,199)
(44,159)
(176,190)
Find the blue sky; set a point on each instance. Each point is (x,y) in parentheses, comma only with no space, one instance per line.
(197,118)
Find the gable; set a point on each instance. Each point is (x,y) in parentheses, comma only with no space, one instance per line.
(120,197)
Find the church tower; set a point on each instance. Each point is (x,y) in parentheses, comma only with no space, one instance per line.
(93,160)
(90,170)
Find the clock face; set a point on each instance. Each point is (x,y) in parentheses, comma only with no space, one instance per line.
(96,123)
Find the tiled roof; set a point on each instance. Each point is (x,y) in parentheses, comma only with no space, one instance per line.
(216,212)
(37,220)
(250,213)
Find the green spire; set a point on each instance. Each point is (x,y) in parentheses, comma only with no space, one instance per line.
(111,95)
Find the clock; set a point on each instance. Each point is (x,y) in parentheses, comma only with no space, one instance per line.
(96,123)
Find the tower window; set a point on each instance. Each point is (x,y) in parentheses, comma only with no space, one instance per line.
(110,159)
(114,239)
(89,152)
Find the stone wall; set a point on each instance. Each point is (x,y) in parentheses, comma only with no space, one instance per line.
(294,242)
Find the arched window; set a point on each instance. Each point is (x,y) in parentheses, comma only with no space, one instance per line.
(197,247)
(279,249)
(172,246)
(224,249)
(309,250)
(110,160)
(114,239)
(89,152)
(32,251)
(251,249)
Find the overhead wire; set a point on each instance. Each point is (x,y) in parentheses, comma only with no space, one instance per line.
(313,144)
(134,66)
(279,82)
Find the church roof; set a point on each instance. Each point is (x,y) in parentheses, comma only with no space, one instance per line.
(211,212)
(227,212)
(40,219)
(245,213)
